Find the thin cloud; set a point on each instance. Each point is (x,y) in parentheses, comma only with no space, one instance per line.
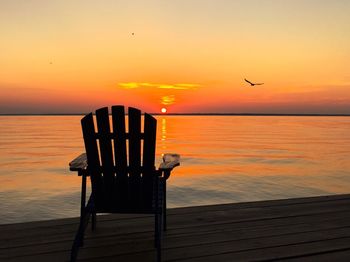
(129,85)
(190,86)
(168,100)
(181,86)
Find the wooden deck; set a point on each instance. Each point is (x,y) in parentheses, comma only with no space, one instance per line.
(303,229)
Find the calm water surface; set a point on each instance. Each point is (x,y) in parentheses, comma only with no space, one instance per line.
(224,159)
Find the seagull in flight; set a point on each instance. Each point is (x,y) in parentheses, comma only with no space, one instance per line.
(252,84)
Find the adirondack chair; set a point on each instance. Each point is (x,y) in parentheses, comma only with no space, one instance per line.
(119,187)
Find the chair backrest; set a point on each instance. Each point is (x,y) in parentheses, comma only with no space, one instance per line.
(120,180)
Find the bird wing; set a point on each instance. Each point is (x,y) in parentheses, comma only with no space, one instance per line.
(248,81)
(259,84)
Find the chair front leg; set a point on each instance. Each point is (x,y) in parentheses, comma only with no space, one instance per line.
(164,207)
(82,208)
(83,193)
(79,237)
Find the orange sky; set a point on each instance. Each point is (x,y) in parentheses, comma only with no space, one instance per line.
(185,55)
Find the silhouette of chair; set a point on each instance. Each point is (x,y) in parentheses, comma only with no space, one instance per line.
(121,183)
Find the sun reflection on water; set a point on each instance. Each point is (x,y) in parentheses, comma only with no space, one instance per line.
(163,133)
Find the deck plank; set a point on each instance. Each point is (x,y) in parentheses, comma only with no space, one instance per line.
(296,229)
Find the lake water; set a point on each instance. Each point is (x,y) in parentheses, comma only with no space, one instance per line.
(224,159)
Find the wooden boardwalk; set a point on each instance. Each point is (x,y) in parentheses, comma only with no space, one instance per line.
(303,229)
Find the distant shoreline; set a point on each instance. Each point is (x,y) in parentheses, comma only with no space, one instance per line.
(190,114)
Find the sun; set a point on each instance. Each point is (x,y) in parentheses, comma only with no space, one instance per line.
(163,110)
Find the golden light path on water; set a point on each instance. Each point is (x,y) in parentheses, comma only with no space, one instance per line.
(224,159)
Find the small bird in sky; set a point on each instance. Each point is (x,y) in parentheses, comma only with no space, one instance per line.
(133,33)
(252,84)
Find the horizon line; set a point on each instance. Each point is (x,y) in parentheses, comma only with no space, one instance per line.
(187,114)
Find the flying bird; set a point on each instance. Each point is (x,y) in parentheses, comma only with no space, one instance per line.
(252,84)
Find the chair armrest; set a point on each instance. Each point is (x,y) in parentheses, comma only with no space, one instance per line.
(79,163)
(169,162)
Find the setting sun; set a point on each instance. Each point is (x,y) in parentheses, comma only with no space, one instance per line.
(163,110)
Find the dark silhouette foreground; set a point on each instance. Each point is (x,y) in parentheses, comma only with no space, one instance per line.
(121,182)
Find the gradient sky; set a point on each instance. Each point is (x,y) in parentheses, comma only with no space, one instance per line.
(185,55)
